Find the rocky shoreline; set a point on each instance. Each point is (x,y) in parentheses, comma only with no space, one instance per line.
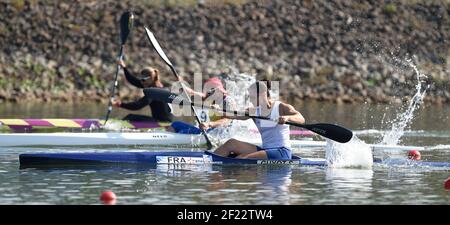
(342,51)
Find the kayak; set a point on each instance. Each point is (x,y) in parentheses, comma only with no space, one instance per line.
(30,160)
(94,139)
(28,124)
(145,158)
(153,138)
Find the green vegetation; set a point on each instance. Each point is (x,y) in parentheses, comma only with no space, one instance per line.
(370,82)
(390,8)
(442,58)
(317,80)
(321,76)
(5,29)
(93,81)
(416,24)
(57,89)
(19,5)
(32,67)
(325,71)
(360,5)
(3,82)
(27,84)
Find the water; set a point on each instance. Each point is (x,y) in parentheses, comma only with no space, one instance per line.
(222,185)
(241,184)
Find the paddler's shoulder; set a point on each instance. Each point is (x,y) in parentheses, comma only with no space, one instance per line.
(284,104)
(285,107)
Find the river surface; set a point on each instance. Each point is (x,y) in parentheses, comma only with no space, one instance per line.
(380,184)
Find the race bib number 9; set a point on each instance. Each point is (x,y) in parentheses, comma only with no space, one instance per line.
(204,117)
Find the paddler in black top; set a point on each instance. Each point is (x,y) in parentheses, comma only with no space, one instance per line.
(149,78)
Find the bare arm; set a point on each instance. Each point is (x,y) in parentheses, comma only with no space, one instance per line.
(289,114)
(191,92)
(220,122)
(217,123)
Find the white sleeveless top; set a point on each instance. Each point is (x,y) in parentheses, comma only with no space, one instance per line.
(273,135)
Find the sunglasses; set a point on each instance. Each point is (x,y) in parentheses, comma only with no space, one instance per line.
(144,78)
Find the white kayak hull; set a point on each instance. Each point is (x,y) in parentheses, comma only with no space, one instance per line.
(157,138)
(92,139)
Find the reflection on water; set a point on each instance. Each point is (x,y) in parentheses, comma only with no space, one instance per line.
(221,184)
(265,184)
(350,186)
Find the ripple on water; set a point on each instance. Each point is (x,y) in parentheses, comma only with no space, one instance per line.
(91,187)
(232,190)
(43,190)
(37,184)
(72,183)
(195,190)
(122,182)
(246,183)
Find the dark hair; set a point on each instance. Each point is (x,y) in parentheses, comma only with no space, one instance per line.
(148,71)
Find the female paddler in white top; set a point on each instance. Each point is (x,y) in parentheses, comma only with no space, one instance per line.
(275,136)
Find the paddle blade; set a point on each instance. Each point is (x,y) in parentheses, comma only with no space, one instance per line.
(126,24)
(157,47)
(331,131)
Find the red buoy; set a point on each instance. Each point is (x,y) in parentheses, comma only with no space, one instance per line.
(108,197)
(447,184)
(414,155)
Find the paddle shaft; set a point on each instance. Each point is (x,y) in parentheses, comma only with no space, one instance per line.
(164,57)
(114,86)
(208,142)
(126,23)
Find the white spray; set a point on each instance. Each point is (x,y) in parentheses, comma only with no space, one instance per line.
(353,154)
(398,125)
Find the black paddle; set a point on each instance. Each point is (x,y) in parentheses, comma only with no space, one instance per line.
(126,24)
(331,131)
(163,56)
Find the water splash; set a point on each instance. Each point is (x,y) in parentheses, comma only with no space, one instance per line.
(354,154)
(113,126)
(237,85)
(403,120)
